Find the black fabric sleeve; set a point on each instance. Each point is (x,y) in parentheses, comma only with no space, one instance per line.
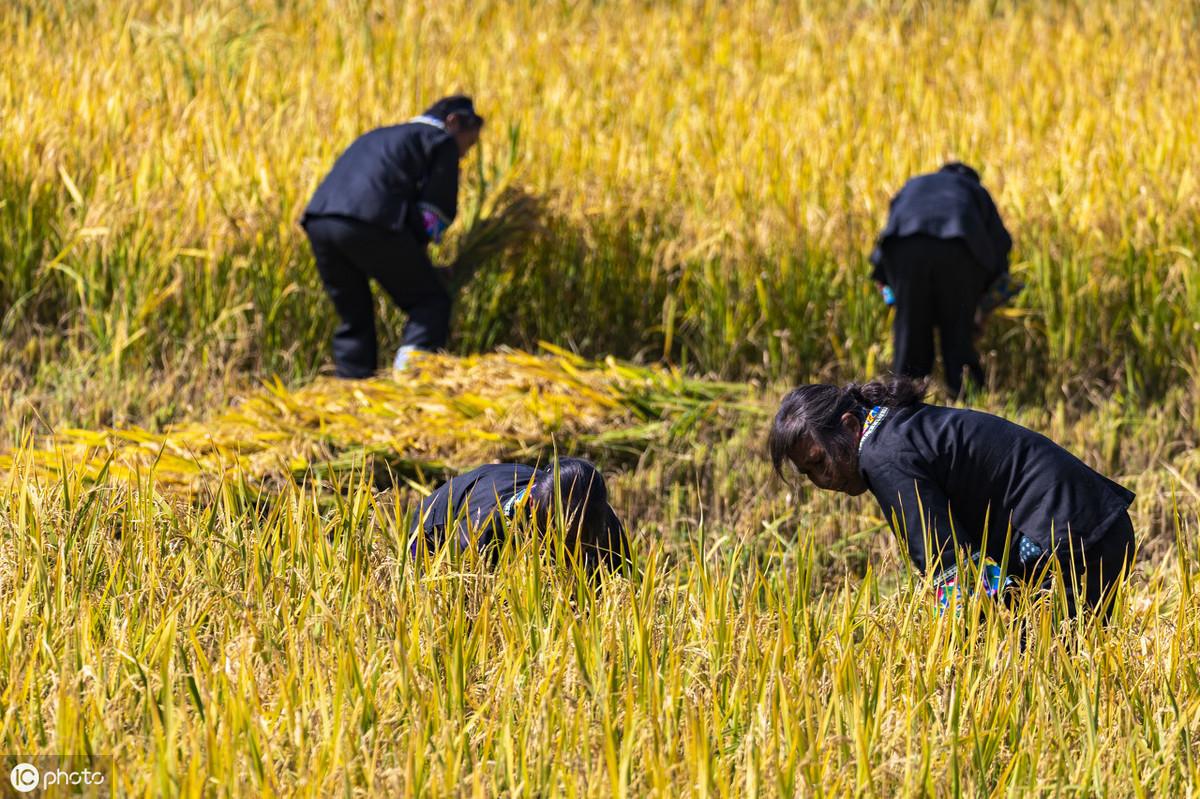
(440,190)
(430,517)
(1000,240)
(475,528)
(480,518)
(918,511)
(876,259)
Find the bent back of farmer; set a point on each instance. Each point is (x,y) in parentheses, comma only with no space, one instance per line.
(392,192)
(475,509)
(947,478)
(943,246)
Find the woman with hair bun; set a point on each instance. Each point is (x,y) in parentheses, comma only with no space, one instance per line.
(949,479)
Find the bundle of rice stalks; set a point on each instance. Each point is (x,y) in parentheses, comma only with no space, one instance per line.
(445,413)
(499,217)
(509,220)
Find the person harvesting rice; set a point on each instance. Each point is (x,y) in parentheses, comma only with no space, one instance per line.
(392,192)
(477,508)
(947,479)
(942,261)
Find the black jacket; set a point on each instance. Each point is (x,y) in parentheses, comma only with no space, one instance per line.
(384,175)
(476,506)
(948,205)
(927,464)
(476,502)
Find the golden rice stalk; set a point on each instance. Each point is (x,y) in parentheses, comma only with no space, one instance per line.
(446,412)
(500,217)
(512,222)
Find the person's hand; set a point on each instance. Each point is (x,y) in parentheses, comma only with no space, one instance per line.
(433,223)
(889,297)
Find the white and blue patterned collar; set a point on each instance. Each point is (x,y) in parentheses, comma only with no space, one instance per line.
(428,120)
(511,503)
(873,420)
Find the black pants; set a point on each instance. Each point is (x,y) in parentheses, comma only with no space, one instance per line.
(937,283)
(349,254)
(1090,575)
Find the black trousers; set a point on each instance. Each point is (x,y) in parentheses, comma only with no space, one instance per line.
(937,283)
(1090,575)
(349,255)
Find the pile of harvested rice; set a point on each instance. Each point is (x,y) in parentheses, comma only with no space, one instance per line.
(444,413)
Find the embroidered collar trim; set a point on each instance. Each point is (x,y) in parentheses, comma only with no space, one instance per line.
(512,502)
(873,420)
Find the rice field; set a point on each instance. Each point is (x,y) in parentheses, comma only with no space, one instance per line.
(204,570)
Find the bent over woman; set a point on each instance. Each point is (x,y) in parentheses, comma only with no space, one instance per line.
(392,192)
(476,508)
(947,478)
(943,246)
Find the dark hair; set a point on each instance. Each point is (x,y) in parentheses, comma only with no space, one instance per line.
(455,104)
(816,409)
(592,523)
(959,168)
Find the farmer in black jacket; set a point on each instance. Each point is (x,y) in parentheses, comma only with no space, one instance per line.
(943,246)
(477,508)
(389,194)
(947,478)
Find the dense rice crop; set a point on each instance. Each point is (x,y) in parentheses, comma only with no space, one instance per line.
(250,642)
(711,174)
(203,560)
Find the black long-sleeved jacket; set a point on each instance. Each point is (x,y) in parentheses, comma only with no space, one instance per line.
(475,507)
(472,504)
(387,175)
(947,475)
(948,205)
